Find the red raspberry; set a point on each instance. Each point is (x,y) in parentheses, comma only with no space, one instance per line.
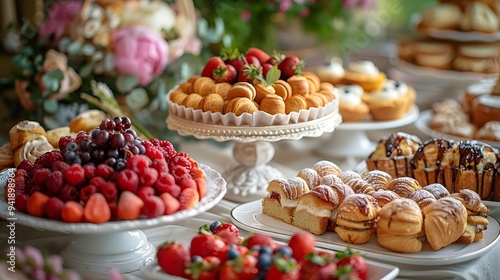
(113,208)
(188,183)
(167,147)
(48,158)
(179,161)
(148,177)
(145,192)
(105,171)
(86,192)
(153,207)
(60,166)
(64,140)
(138,162)
(53,208)
(127,180)
(40,175)
(166,183)
(75,175)
(90,171)
(189,158)
(54,182)
(154,152)
(21,203)
(21,177)
(82,135)
(160,165)
(68,192)
(228,232)
(34,168)
(26,164)
(179,173)
(35,188)
(97,181)
(109,191)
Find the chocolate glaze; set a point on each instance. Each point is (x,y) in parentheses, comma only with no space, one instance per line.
(392,142)
(442,144)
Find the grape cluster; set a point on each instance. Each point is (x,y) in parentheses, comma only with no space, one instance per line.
(112,142)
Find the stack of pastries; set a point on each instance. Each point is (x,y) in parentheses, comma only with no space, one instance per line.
(455,164)
(366,93)
(28,139)
(399,213)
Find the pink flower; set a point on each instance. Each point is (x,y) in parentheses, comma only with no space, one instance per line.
(140,52)
(246,15)
(60,15)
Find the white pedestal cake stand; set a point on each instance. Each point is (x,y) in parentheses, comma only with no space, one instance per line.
(119,244)
(253,151)
(350,141)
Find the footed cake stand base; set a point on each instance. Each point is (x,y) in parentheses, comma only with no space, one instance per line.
(127,251)
(248,180)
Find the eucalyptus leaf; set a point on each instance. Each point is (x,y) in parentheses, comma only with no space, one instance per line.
(64,43)
(125,83)
(88,49)
(137,99)
(87,70)
(50,106)
(97,56)
(74,48)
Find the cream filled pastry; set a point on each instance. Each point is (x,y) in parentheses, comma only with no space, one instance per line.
(283,195)
(332,72)
(435,55)
(351,106)
(392,102)
(365,74)
(480,17)
(477,58)
(441,16)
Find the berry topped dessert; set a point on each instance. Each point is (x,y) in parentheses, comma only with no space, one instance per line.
(218,252)
(107,175)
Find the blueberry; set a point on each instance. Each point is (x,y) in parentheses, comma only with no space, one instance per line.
(72,146)
(196,259)
(232,253)
(285,251)
(266,250)
(396,85)
(255,248)
(265,261)
(214,225)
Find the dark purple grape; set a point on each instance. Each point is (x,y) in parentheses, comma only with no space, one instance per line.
(129,138)
(94,132)
(110,125)
(120,164)
(102,138)
(77,160)
(117,120)
(131,131)
(85,144)
(102,125)
(134,150)
(142,149)
(126,123)
(111,161)
(98,155)
(117,141)
(69,156)
(113,153)
(85,156)
(72,146)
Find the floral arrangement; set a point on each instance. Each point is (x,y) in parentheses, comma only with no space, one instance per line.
(125,44)
(258,23)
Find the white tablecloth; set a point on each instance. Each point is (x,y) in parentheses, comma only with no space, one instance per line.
(290,157)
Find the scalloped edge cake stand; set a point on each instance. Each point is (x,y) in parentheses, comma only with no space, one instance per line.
(248,179)
(123,244)
(350,141)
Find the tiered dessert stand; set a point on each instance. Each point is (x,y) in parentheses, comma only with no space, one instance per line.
(248,179)
(119,244)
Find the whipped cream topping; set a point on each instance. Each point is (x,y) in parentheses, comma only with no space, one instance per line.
(392,90)
(333,68)
(489,100)
(480,89)
(364,67)
(315,210)
(350,94)
(35,148)
(442,15)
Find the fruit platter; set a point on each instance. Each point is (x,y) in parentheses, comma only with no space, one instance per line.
(104,187)
(218,250)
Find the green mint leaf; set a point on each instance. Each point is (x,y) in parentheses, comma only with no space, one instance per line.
(273,75)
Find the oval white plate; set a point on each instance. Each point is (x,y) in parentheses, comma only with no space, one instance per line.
(422,125)
(376,271)
(216,189)
(249,216)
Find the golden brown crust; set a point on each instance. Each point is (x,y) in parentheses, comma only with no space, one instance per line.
(310,176)
(444,221)
(212,103)
(348,175)
(422,198)
(325,167)
(314,81)
(399,243)
(471,200)
(272,104)
(437,189)
(401,216)
(403,186)
(6,157)
(193,100)
(384,196)
(359,185)
(178,97)
(357,208)
(241,105)
(299,85)
(261,91)
(242,89)
(283,89)
(377,178)
(295,103)
(203,86)
(55,134)
(222,89)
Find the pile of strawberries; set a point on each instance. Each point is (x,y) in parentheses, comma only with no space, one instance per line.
(232,66)
(153,181)
(218,252)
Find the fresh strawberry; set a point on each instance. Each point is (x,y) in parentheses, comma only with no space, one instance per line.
(72,212)
(171,203)
(241,268)
(276,58)
(205,245)
(232,251)
(283,269)
(265,69)
(237,64)
(261,55)
(252,60)
(258,239)
(249,72)
(129,206)
(302,243)
(211,65)
(352,264)
(203,268)
(290,66)
(228,232)
(226,73)
(318,266)
(173,258)
(96,209)
(188,198)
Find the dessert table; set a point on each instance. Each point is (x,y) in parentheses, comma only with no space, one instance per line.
(291,156)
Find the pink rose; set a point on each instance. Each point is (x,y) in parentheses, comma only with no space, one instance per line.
(60,15)
(140,52)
